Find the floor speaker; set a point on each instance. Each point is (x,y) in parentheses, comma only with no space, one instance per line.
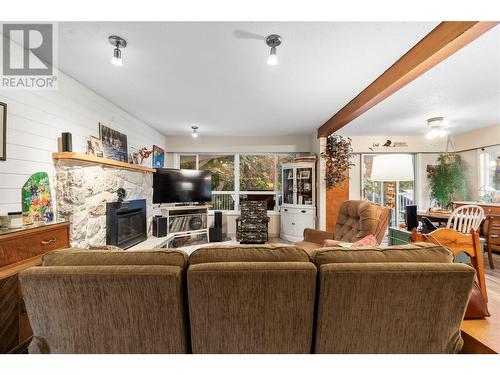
(215,232)
(160,226)
(411,217)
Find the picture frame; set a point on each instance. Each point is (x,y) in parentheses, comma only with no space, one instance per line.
(3,131)
(158,157)
(94,147)
(304,175)
(114,143)
(307,186)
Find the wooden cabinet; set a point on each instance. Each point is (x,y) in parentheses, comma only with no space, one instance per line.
(21,249)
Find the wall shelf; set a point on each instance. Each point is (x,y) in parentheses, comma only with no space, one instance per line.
(96,160)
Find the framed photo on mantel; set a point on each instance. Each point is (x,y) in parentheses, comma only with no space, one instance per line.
(3,131)
(114,144)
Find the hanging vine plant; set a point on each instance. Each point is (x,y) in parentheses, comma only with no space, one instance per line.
(337,154)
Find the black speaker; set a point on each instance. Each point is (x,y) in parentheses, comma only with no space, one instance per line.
(218,219)
(215,232)
(160,226)
(411,217)
(67,143)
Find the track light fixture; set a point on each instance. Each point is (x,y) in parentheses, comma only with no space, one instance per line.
(195,131)
(117,53)
(273,41)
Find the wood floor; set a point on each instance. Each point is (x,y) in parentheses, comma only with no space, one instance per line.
(492,279)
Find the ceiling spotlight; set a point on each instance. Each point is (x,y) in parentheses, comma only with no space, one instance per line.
(437,128)
(117,53)
(195,131)
(273,41)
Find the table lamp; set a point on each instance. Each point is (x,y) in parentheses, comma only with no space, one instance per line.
(391,168)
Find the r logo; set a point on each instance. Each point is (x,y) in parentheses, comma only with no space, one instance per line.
(27,49)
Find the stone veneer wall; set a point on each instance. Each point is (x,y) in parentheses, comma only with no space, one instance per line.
(82,191)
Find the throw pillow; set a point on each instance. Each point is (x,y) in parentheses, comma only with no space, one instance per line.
(368,241)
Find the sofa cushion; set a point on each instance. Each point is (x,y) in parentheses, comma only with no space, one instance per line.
(252,307)
(248,253)
(307,246)
(391,307)
(418,252)
(106,309)
(74,257)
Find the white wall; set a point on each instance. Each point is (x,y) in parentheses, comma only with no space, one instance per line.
(35,120)
(285,143)
(483,137)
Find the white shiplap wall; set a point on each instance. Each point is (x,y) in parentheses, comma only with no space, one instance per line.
(35,119)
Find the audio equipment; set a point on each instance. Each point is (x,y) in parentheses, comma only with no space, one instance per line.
(215,232)
(411,217)
(67,143)
(160,226)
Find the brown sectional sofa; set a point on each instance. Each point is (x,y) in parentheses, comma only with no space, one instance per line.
(248,299)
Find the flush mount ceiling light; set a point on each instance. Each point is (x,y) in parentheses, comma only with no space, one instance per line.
(117,53)
(437,128)
(195,131)
(273,41)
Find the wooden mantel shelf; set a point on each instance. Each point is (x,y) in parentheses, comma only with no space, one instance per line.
(96,160)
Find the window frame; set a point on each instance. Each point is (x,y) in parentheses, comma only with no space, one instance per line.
(237,192)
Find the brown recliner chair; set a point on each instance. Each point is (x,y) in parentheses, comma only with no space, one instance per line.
(356,219)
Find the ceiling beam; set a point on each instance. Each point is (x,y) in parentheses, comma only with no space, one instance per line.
(442,42)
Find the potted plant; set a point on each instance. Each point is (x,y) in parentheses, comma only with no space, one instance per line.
(446,179)
(337,154)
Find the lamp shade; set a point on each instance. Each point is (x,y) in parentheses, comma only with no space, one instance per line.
(392,167)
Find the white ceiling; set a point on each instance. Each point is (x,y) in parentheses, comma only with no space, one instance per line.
(214,74)
(465,89)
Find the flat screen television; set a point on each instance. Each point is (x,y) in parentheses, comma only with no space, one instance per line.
(181,186)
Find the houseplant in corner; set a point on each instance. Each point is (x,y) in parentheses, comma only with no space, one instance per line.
(447,180)
(337,154)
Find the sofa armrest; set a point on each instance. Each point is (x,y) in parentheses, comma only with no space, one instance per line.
(316,236)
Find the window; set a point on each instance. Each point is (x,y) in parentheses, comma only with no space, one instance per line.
(489,173)
(257,172)
(222,168)
(377,191)
(238,177)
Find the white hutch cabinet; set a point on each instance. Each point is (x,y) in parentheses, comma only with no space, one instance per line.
(298,209)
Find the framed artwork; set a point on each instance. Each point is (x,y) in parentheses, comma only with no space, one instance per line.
(307,186)
(158,157)
(94,147)
(114,144)
(3,131)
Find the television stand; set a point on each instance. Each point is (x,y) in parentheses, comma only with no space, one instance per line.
(186,225)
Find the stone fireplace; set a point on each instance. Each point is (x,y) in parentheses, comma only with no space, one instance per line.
(83,190)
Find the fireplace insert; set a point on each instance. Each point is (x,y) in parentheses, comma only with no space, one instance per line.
(126,223)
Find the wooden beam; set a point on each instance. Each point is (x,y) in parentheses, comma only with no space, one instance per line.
(442,42)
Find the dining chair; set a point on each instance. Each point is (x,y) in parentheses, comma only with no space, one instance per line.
(492,237)
(458,243)
(465,218)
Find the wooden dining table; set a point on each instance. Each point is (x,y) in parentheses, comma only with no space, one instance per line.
(435,216)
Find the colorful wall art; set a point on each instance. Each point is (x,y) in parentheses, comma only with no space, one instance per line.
(158,157)
(37,199)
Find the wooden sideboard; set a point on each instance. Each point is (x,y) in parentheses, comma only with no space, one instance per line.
(21,249)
